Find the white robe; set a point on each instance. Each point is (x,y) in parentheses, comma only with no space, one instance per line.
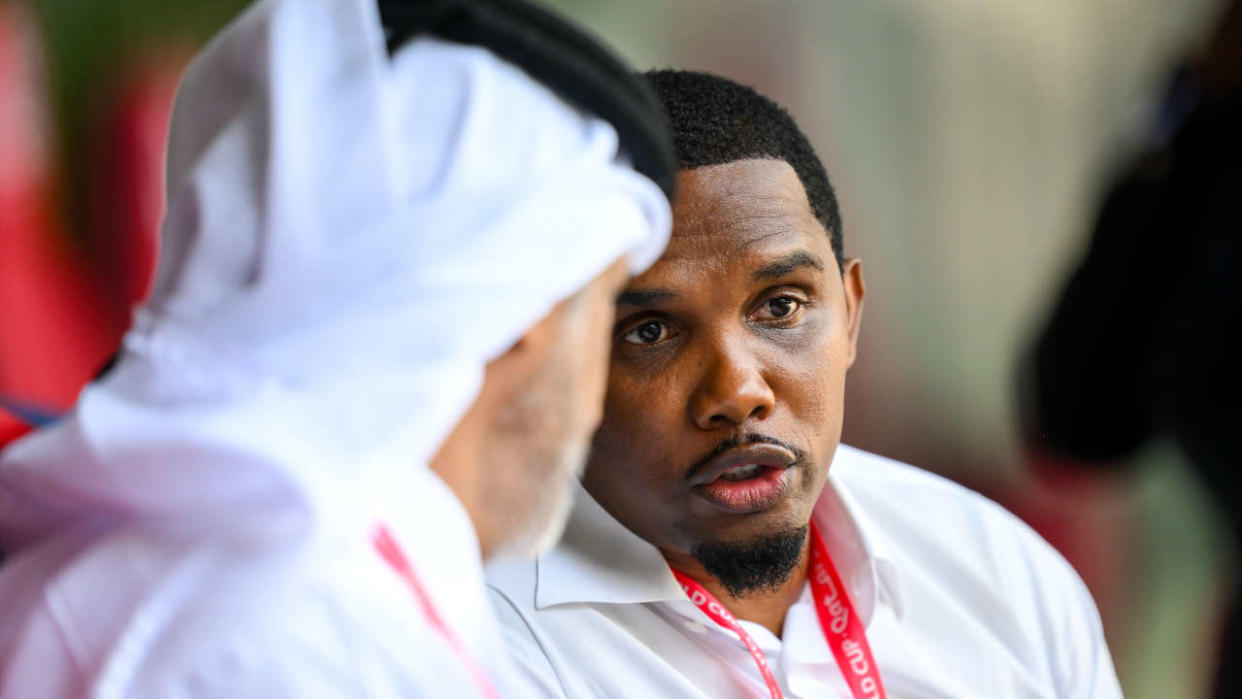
(350,238)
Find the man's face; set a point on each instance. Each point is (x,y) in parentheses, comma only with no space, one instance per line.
(728,366)
(545,427)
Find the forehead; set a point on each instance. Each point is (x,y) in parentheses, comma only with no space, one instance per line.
(743,210)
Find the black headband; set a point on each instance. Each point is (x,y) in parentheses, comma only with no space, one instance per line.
(574,65)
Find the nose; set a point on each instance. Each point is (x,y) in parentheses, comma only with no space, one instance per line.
(731,390)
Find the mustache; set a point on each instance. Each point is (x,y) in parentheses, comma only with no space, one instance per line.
(743,440)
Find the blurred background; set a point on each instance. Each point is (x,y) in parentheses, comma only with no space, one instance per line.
(970,143)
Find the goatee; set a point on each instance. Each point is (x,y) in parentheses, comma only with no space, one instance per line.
(753,567)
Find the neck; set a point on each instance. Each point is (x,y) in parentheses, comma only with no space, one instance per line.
(767,608)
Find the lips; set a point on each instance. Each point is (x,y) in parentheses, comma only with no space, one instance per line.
(746,479)
(769,455)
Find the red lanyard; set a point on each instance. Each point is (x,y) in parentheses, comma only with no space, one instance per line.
(842,628)
(392,554)
(713,608)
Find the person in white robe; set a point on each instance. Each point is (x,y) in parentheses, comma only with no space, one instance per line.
(373,355)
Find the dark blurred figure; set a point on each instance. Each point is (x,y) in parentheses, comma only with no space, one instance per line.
(1146,338)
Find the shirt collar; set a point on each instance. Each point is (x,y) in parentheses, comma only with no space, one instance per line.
(599,560)
(858,546)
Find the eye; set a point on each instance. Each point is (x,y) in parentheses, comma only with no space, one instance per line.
(648,333)
(778,308)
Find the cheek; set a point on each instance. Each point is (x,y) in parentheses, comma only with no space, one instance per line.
(632,449)
(810,380)
(623,473)
(630,421)
(646,405)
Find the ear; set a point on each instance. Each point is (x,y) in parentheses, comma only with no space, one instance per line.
(855,290)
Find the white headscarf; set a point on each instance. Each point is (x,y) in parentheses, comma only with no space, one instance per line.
(349,240)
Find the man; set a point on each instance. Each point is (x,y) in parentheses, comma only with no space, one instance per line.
(375,353)
(724,544)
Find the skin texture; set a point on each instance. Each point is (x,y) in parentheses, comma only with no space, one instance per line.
(512,458)
(707,348)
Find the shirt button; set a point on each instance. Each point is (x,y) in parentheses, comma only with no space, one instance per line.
(695,626)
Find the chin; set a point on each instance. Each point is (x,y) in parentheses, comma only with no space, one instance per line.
(742,529)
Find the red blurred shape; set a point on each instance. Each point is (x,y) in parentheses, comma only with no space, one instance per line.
(127,179)
(54,326)
(1082,512)
(11,428)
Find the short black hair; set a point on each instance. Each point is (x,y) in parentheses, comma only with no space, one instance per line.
(715,120)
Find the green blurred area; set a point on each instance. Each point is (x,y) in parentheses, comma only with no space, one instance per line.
(89,47)
(1182,577)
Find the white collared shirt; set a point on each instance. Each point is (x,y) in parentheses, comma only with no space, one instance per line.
(959,599)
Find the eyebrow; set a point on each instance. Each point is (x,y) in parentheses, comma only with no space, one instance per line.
(787,264)
(644,297)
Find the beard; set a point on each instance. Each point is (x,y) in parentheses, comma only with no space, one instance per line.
(542,453)
(753,567)
(547,508)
